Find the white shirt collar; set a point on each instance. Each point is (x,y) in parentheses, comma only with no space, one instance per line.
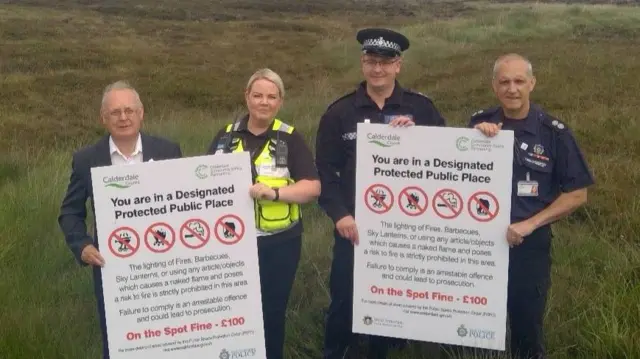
(114,149)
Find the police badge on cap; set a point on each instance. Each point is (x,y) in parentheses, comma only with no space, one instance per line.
(382,42)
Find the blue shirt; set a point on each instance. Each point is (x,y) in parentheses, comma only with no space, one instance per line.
(546,152)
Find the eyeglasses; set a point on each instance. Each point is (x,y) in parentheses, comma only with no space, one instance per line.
(383,63)
(116,113)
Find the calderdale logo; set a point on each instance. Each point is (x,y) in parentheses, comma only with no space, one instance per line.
(383,140)
(121,182)
(117,185)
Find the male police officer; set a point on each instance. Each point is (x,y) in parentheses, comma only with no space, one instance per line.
(550,180)
(378,99)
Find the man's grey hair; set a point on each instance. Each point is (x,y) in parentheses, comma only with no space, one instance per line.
(120,85)
(508,57)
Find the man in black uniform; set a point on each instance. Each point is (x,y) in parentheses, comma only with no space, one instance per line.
(378,99)
(550,180)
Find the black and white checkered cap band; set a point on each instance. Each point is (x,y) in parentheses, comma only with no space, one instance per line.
(380,42)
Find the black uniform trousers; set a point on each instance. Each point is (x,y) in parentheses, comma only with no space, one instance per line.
(278,265)
(529,282)
(338,332)
(97,288)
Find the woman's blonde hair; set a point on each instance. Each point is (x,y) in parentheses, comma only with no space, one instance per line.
(270,75)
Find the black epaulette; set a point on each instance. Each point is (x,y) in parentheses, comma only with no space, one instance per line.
(552,122)
(418,93)
(484,113)
(340,99)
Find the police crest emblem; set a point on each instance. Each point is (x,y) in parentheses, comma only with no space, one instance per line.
(538,149)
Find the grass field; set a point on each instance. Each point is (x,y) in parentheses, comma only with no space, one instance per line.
(190,63)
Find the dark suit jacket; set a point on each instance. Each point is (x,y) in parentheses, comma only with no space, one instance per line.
(73,210)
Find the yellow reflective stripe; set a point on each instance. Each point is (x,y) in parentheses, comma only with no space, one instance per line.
(286,128)
(281,126)
(276,124)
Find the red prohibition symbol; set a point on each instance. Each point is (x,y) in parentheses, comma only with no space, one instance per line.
(195,233)
(447,203)
(483,206)
(229,229)
(413,201)
(124,242)
(159,237)
(378,198)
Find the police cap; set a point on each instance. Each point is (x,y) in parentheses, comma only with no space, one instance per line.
(382,42)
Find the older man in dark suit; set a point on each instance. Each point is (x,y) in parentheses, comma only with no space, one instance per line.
(121,113)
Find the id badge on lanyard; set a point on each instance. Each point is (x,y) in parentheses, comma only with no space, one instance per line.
(528,188)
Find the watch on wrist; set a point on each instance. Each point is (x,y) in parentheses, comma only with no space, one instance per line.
(277,191)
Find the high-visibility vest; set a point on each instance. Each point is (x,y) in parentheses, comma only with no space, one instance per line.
(270,216)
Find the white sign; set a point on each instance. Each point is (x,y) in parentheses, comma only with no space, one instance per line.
(432,208)
(181,274)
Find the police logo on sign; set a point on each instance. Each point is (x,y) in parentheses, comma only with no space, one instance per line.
(367,320)
(462,331)
(238,354)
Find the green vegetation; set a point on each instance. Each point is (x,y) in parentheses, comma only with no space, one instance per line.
(190,63)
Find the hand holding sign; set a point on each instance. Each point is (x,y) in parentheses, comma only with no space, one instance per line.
(489,129)
(91,256)
(401,121)
(517,231)
(347,228)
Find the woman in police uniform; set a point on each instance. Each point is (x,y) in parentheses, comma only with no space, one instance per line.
(284,177)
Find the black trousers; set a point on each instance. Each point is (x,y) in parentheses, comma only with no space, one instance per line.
(97,288)
(529,282)
(338,332)
(278,265)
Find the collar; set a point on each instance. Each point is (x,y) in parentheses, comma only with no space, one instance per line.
(364,100)
(242,125)
(114,149)
(531,122)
